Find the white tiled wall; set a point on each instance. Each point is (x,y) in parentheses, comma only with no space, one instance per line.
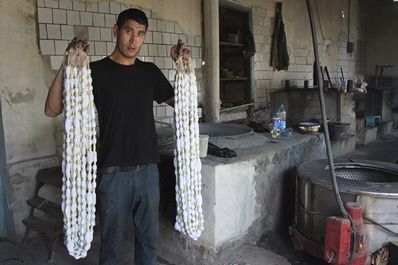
(59,19)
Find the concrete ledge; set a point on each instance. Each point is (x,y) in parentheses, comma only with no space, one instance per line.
(243,197)
(342,147)
(366,135)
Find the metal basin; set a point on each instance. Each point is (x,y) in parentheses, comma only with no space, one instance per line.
(371,183)
(222,134)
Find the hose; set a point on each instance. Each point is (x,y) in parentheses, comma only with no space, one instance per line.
(324,119)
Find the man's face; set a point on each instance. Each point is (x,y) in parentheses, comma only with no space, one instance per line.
(130,37)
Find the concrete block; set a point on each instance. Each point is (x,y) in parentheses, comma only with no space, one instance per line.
(301,52)
(56,61)
(260,92)
(178,29)
(51,3)
(96,58)
(54,31)
(73,17)
(106,34)
(157,37)
(60,47)
(110,46)
(153,50)
(152,24)
(195,52)
(110,20)
(169,110)
(171,77)
(40,3)
(99,20)
(168,63)
(67,32)
(79,5)
(66,4)
(165,72)
(59,16)
(149,37)
(159,61)
(149,59)
(198,41)
(173,38)
(92,6)
(183,37)
(191,41)
(301,60)
(42,31)
(100,48)
(161,25)
(103,7)
(86,18)
(144,50)
(166,38)
(114,7)
(94,33)
(45,15)
(170,26)
(162,50)
(160,112)
(258,38)
(47,47)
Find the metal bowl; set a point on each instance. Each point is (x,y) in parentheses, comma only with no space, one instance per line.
(309,127)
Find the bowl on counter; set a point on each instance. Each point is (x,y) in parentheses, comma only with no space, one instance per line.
(309,127)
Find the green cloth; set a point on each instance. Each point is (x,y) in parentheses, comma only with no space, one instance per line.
(279,53)
(6,224)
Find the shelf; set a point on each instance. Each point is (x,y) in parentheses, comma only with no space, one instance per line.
(234,79)
(223,43)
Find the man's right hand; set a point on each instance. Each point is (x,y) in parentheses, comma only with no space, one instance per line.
(76,53)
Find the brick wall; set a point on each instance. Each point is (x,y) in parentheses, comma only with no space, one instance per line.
(60,20)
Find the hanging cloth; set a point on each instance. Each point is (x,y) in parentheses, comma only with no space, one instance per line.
(250,47)
(279,54)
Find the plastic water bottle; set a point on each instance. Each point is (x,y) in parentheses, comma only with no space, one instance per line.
(278,122)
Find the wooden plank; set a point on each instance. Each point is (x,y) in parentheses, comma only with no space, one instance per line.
(37,224)
(52,176)
(46,205)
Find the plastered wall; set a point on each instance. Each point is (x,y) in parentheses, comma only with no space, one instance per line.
(35,33)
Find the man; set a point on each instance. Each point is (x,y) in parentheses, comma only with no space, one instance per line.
(124,89)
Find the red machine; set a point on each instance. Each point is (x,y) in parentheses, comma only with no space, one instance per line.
(346,245)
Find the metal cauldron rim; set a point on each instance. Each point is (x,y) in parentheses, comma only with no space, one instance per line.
(316,171)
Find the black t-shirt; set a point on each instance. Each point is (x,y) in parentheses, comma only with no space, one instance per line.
(123,95)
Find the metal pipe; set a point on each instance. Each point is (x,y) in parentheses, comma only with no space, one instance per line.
(212,59)
(324,119)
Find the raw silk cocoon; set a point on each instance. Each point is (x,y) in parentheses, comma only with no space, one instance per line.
(187,163)
(79,161)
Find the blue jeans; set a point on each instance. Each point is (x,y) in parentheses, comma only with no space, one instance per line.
(122,195)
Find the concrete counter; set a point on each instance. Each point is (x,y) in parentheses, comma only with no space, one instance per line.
(243,197)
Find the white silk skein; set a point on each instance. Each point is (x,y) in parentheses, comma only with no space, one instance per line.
(189,219)
(79,159)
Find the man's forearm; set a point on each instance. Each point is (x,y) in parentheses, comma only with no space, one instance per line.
(53,105)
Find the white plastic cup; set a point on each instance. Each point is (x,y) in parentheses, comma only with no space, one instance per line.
(203,144)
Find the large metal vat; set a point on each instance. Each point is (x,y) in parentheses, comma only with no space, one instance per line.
(373,184)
